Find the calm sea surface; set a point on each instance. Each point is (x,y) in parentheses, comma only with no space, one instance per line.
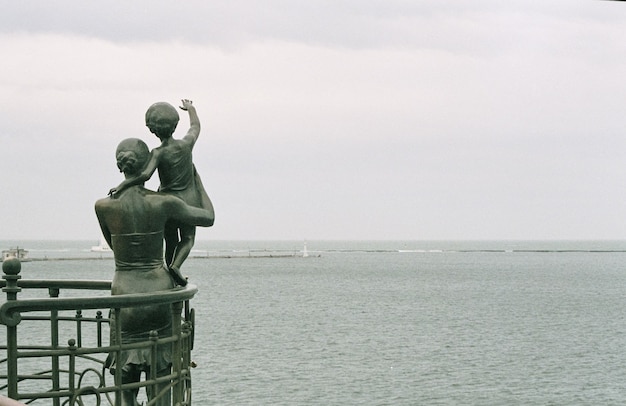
(397,323)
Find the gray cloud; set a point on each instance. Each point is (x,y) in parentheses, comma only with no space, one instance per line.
(393,119)
(445,24)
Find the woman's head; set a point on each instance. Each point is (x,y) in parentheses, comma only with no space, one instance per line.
(132,155)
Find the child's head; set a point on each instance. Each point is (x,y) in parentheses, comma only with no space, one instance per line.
(161,119)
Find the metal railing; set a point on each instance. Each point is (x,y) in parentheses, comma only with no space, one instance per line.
(71,373)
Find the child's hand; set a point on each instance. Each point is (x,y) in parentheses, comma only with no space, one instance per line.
(186,104)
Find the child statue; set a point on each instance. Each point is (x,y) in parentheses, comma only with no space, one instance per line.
(178,177)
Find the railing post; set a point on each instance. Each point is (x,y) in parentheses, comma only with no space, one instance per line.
(99,327)
(177,393)
(118,352)
(153,389)
(79,327)
(72,364)
(186,362)
(186,332)
(190,318)
(54,342)
(11,268)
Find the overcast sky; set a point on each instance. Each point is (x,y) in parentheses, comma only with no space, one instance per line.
(342,119)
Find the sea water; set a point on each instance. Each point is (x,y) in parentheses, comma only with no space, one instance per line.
(398,322)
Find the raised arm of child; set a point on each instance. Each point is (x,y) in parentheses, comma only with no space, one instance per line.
(194,121)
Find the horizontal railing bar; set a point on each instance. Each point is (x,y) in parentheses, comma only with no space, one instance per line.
(178,294)
(43,395)
(40,377)
(61,284)
(38,374)
(66,318)
(79,351)
(29,349)
(173,377)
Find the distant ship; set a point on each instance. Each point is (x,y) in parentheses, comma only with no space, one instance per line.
(19,253)
(103,247)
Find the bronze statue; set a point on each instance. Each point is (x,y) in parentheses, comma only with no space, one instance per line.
(178,176)
(133,224)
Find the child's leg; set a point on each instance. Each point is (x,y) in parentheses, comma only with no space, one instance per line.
(187,239)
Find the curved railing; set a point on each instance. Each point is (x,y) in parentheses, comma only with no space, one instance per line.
(68,374)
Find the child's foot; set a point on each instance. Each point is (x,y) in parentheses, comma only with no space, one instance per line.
(178,277)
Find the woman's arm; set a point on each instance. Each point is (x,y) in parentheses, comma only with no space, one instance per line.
(178,210)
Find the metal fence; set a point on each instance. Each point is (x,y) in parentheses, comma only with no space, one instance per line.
(38,366)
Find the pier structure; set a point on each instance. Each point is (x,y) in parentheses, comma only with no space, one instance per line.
(44,366)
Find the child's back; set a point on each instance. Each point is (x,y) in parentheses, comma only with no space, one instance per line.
(177,173)
(175,166)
